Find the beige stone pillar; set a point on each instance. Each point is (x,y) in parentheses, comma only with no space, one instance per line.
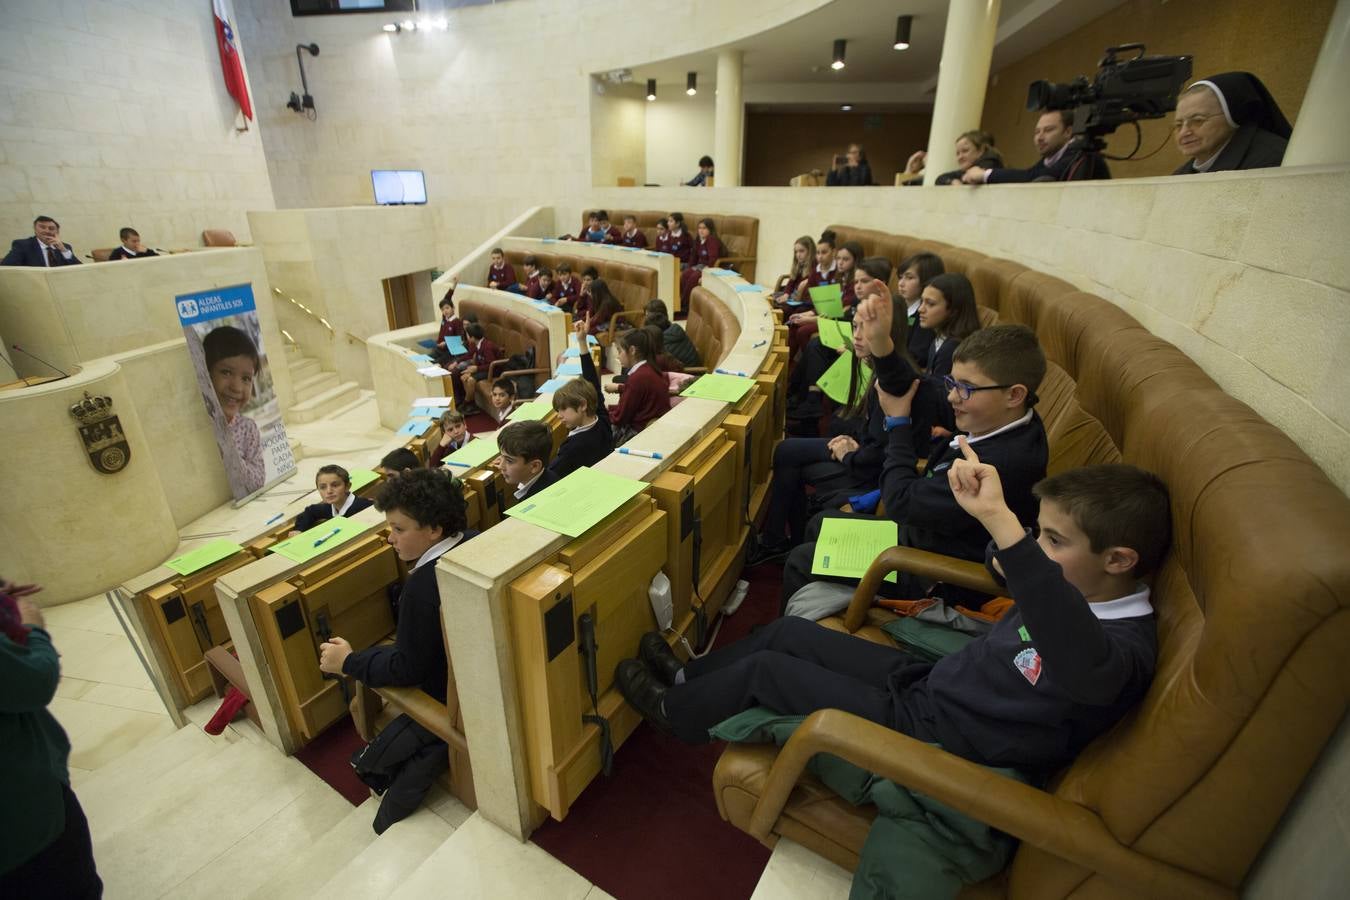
(963,75)
(1322,134)
(729,120)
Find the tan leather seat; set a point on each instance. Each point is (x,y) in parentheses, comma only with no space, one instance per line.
(1179,798)
(218,237)
(739,234)
(711,326)
(513,333)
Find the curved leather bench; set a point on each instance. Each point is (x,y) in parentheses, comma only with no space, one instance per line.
(739,234)
(1178,798)
(514,334)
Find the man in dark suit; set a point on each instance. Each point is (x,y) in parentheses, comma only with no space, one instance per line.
(1062,157)
(44,248)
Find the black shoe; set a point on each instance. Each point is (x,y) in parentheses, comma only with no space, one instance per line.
(759,552)
(643,691)
(656,653)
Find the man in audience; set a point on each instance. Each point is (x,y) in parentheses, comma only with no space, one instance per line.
(705,171)
(1229,121)
(1062,157)
(44,248)
(131,246)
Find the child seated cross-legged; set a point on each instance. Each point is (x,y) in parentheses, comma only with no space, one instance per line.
(992,390)
(525,448)
(1076,652)
(335,488)
(427,516)
(590,437)
(454,434)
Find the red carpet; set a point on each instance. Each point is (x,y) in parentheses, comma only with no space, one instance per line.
(330,757)
(651,830)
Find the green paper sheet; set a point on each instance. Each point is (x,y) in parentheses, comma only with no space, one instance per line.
(301,548)
(714,386)
(531,411)
(362,477)
(203,556)
(578,502)
(473,454)
(834,334)
(846,547)
(835,381)
(828,300)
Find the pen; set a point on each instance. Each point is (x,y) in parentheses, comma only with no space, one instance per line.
(758,344)
(274,519)
(730,372)
(333,533)
(455,462)
(648,454)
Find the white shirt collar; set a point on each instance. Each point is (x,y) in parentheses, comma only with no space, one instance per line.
(1131,606)
(914,307)
(436,550)
(955,444)
(351,498)
(637,365)
(526,485)
(821,271)
(580,428)
(132,252)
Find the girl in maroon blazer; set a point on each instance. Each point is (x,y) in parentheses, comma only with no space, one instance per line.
(633,236)
(662,236)
(680,246)
(646,393)
(603,306)
(846,260)
(708,250)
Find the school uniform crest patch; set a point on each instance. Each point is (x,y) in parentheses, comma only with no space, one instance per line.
(1028,662)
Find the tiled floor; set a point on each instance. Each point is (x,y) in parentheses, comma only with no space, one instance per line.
(177,813)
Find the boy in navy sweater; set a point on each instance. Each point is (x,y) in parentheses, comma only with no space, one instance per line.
(590,437)
(992,390)
(335,489)
(525,448)
(1073,656)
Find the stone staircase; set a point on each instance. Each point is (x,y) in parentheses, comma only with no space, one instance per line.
(317,393)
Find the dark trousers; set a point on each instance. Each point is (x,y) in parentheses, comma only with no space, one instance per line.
(793,667)
(64,869)
(797,462)
(797,567)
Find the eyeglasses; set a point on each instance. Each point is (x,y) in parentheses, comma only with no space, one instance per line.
(965,390)
(1193,122)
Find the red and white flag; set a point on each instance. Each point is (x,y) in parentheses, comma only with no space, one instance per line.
(230,64)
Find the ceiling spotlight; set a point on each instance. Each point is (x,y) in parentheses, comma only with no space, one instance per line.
(902,26)
(691,84)
(838,54)
(391,27)
(847,107)
(651,88)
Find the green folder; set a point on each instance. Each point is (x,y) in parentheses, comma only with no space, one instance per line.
(846,547)
(203,556)
(835,334)
(362,477)
(319,539)
(714,386)
(575,504)
(531,411)
(473,454)
(835,381)
(828,300)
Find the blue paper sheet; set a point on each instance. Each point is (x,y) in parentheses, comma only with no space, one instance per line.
(572,353)
(415,427)
(430,345)
(455,344)
(569,369)
(551,385)
(421,358)
(592,340)
(425,412)
(744,288)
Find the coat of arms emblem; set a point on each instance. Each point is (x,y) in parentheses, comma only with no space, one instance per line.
(101,431)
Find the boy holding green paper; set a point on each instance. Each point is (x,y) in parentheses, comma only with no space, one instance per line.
(995,374)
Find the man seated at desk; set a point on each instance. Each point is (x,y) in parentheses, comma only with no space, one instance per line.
(44,248)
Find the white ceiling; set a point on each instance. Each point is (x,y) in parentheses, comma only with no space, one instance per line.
(790,65)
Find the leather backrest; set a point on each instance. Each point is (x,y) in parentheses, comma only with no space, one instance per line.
(510,330)
(218,237)
(739,234)
(711,327)
(632,285)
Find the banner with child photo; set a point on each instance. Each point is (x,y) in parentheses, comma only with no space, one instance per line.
(225,345)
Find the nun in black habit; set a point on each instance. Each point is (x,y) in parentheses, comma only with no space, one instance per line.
(1229,121)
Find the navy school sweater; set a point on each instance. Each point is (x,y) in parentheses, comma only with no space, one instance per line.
(321,512)
(1050,677)
(592,445)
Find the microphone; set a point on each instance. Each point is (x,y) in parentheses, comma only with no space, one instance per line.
(39,359)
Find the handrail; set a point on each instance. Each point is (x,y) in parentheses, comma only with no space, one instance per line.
(303,308)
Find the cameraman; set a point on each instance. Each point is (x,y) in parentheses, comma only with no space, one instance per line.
(851,170)
(1062,157)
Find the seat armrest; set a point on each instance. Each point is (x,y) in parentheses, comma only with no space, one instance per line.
(522,372)
(778,285)
(425,711)
(933,566)
(1067,830)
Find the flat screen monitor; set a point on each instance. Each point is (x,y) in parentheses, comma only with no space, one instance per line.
(394,187)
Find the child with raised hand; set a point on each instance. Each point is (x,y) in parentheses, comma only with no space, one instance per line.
(335,490)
